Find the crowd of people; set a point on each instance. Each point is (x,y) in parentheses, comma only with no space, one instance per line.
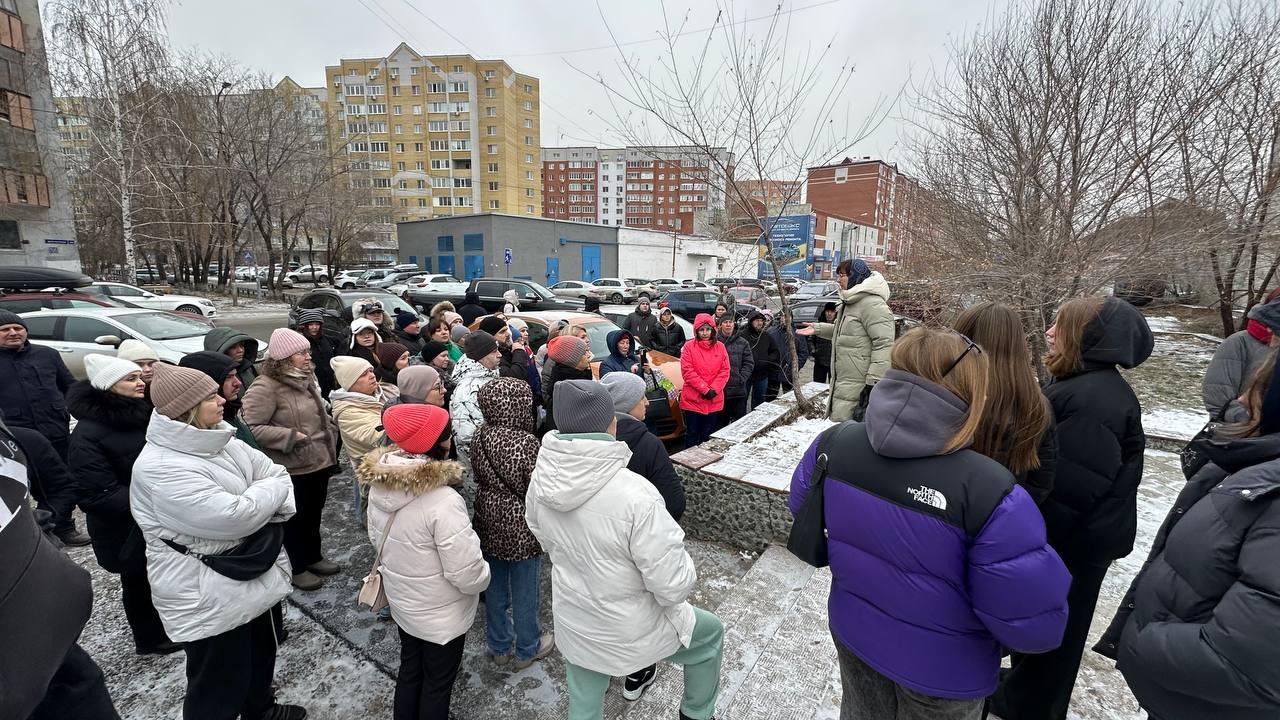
(969,511)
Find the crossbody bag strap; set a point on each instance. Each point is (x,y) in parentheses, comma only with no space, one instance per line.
(377,559)
(819,473)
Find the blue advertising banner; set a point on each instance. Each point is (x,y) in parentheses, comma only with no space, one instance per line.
(791,237)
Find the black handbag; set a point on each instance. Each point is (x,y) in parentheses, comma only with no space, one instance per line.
(254,556)
(659,401)
(808,538)
(1195,454)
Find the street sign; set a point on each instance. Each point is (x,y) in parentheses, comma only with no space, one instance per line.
(248,256)
(506,254)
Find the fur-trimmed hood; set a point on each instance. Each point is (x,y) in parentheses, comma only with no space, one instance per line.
(393,469)
(442,307)
(85,402)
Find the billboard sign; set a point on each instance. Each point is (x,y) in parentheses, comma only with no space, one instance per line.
(791,238)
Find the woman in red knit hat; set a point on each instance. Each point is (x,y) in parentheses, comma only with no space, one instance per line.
(432,569)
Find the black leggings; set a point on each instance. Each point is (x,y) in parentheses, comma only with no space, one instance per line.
(424,685)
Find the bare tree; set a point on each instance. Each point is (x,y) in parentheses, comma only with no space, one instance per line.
(112,54)
(1044,129)
(736,101)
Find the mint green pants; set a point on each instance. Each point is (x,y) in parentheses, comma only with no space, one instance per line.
(701,661)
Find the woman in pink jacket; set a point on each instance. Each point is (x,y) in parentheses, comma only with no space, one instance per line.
(704,363)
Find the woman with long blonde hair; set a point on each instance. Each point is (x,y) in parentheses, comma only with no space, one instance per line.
(1092,512)
(938,557)
(1017,427)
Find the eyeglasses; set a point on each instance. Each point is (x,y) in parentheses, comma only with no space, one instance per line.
(971,346)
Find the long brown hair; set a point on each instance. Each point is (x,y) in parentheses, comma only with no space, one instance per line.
(1015,417)
(1252,397)
(928,353)
(1073,317)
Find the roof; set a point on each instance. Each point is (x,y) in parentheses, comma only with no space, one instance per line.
(108,311)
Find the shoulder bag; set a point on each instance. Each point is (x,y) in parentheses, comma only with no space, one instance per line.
(808,538)
(371,594)
(254,555)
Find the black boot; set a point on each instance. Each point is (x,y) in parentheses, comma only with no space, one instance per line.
(285,712)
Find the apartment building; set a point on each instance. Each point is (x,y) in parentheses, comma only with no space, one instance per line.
(438,135)
(37,226)
(874,202)
(654,187)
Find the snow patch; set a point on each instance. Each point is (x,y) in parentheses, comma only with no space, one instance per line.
(1167,422)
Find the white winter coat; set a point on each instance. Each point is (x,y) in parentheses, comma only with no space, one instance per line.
(432,567)
(620,573)
(464,407)
(206,490)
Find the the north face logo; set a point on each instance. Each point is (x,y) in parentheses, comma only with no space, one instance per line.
(928,496)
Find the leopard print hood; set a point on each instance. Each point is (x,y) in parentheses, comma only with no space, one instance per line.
(507,402)
(394,469)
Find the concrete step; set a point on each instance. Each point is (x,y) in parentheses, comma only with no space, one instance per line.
(759,612)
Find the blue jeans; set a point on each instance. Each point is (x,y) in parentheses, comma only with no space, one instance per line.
(759,387)
(514,586)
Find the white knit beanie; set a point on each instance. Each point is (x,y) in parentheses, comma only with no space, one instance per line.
(360,324)
(105,371)
(135,350)
(348,369)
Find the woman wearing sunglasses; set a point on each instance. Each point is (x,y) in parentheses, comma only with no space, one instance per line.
(1091,513)
(938,557)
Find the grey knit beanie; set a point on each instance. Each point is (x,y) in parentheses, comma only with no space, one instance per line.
(625,388)
(479,345)
(582,406)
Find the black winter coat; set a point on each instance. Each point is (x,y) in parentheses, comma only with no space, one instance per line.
(649,459)
(472,310)
(641,327)
(108,438)
(782,372)
(1091,514)
(32,393)
(669,339)
(412,342)
(45,596)
(1196,635)
(741,365)
(323,349)
(514,363)
(764,351)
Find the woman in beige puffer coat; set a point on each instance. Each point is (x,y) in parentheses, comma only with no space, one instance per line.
(287,416)
(861,339)
(432,567)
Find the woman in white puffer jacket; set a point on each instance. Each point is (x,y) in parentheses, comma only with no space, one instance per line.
(432,568)
(196,485)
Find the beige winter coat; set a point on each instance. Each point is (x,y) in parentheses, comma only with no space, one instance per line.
(861,343)
(275,406)
(432,567)
(359,418)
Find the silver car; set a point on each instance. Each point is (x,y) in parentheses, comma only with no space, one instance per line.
(571,289)
(82,331)
(143,298)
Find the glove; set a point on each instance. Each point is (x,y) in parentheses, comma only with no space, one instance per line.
(865,397)
(710,394)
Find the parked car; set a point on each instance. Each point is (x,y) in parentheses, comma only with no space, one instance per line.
(347,278)
(437,284)
(336,305)
(816,289)
(692,283)
(598,329)
(645,289)
(810,311)
(614,290)
(754,296)
(376,274)
(571,289)
(666,284)
(532,295)
(25,288)
(689,303)
(399,277)
(76,332)
(309,273)
(155,301)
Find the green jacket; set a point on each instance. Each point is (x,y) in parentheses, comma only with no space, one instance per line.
(244,434)
(861,342)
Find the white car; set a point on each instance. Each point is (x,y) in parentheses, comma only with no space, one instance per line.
(571,289)
(614,290)
(78,332)
(308,273)
(439,284)
(346,279)
(142,298)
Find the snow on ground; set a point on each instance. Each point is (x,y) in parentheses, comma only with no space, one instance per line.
(1168,383)
(1166,323)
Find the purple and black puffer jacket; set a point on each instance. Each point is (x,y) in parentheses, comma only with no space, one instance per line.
(938,562)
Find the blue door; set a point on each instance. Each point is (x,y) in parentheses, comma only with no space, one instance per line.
(474,266)
(590,262)
(553,271)
(446,265)
(413,259)
(426,263)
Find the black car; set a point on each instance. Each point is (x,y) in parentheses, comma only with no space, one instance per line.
(810,311)
(336,305)
(688,304)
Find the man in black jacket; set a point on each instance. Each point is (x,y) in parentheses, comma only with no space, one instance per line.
(33,395)
(515,358)
(766,356)
(45,601)
(649,458)
(741,366)
(641,324)
(472,310)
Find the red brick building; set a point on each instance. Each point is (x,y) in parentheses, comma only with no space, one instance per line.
(570,184)
(873,195)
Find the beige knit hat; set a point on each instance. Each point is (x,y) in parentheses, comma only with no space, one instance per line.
(135,350)
(176,390)
(348,369)
(285,342)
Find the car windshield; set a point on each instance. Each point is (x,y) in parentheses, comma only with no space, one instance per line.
(740,293)
(162,326)
(390,303)
(597,336)
(541,292)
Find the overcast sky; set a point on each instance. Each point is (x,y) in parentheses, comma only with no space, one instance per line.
(891,42)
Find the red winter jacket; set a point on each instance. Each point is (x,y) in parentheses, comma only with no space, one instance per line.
(704,365)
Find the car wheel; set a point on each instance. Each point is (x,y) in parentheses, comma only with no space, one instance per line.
(645,297)
(348,285)
(616,298)
(324,279)
(190,309)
